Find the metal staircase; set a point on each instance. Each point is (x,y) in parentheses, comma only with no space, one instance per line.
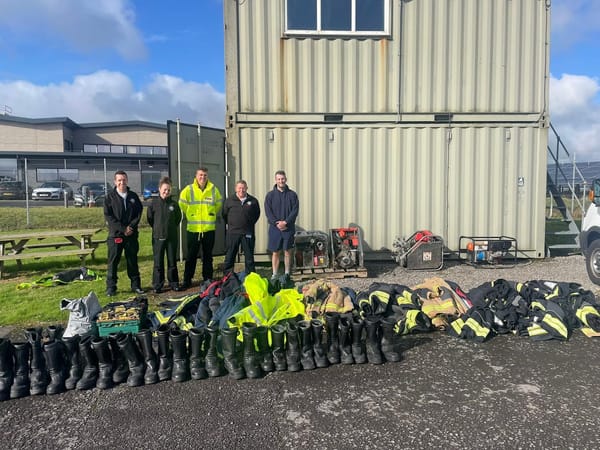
(561,185)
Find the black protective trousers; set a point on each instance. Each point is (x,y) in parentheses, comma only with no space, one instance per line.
(160,247)
(234,241)
(131,247)
(205,240)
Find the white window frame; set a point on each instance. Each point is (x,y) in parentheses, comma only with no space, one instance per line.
(319,32)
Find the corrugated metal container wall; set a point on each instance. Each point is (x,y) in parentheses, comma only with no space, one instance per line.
(460,56)
(392,181)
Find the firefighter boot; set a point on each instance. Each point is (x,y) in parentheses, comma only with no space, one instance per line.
(134,359)
(358,343)
(165,354)
(264,350)
(332,323)
(197,369)
(345,340)
(120,365)
(278,347)
(38,376)
(144,338)
(251,360)
(292,350)
(20,386)
(389,340)
(320,352)
(212,362)
(307,353)
(373,326)
(181,363)
(105,366)
(52,333)
(55,362)
(6,368)
(231,353)
(73,361)
(90,365)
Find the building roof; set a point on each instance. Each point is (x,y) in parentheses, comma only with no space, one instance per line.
(16,119)
(71,124)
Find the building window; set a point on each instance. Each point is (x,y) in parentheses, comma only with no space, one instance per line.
(42,174)
(338,17)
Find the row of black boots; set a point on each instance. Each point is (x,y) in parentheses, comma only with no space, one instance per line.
(47,364)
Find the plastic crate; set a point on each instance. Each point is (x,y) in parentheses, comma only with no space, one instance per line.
(118,326)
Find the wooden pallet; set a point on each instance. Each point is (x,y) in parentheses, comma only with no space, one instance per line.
(321,273)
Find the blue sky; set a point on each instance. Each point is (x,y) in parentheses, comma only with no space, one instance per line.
(105,60)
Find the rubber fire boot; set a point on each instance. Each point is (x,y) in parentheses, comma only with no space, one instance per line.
(373,326)
(251,360)
(292,350)
(307,353)
(54,355)
(52,333)
(264,350)
(165,354)
(20,386)
(6,368)
(212,362)
(73,361)
(38,376)
(358,343)
(181,364)
(345,339)
(389,340)
(231,353)
(90,365)
(105,366)
(197,338)
(120,364)
(332,323)
(278,347)
(134,359)
(144,338)
(320,353)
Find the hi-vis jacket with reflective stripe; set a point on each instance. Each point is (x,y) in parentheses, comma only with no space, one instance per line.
(200,207)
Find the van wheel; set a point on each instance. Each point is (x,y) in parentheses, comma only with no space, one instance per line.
(592,261)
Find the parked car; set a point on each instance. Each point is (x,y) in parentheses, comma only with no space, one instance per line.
(13,190)
(96,192)
(52,190)
(150,190)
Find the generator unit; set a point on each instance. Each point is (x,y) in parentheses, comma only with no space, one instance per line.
(488,249)
(423,250)
(346,248)
(312,249)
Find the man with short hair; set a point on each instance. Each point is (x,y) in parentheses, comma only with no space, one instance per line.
(122,212)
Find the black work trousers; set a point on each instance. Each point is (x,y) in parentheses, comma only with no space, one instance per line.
(195,241)
(131,247)
(160,247)
(234,241)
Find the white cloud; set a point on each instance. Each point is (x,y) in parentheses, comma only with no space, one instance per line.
(110,96)
(575,113)
(84,26)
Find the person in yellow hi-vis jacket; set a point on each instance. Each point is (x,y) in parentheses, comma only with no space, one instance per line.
(200,202)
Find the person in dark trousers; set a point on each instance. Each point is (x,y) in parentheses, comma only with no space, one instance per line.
(281,208)
(122,212)
(164,216)
(241,212)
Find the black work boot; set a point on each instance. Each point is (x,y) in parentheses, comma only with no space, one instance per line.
(105,366)
(90,365)
(144,338)
(54,355)
(52,333)
(119,363)
(373,326)
(358,343)
(20,386)
(265,357)
(231,353)
(307,354)
(251,360)
(181,364)
(38,376)
(6,368)
(278,347)
(345,339)
(134,359)
(390,340)
(165,354)
(319,350)
(292,350)
(332,323)
(197,370)
(73,361)
(212,362)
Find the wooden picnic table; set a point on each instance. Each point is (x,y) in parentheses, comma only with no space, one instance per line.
(19,246)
